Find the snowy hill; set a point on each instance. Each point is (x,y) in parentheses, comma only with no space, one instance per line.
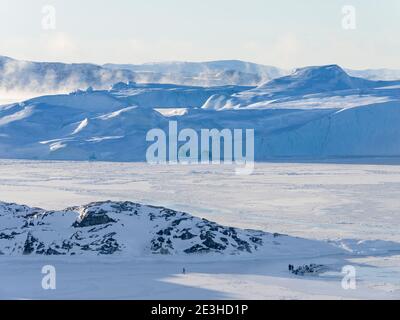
(132,229)
(316,79)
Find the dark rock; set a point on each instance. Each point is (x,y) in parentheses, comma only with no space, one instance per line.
(197,249)
(92,218)
(178,221)
(308,269)
(29,245)
(210,243)
(109,246)
(256,240)
(185,235)
(8,236)
(242,245)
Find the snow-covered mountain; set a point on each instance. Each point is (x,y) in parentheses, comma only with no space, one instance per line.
(131,229)
(315,113)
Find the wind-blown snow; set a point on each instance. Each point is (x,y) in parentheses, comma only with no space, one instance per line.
(29,79)
(81,126)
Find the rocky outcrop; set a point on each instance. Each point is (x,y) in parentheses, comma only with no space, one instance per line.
(130,229)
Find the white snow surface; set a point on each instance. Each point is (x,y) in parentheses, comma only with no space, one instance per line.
(333,213)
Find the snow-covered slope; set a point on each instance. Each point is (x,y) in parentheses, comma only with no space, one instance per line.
(132,229)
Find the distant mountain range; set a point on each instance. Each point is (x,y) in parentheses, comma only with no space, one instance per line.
(49,77)
(212,73)
(35,78)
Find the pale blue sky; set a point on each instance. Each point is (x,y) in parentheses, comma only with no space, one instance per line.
(284,33)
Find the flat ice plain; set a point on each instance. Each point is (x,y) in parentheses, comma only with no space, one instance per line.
(315,201)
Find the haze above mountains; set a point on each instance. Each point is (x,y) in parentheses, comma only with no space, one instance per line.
(54,77)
